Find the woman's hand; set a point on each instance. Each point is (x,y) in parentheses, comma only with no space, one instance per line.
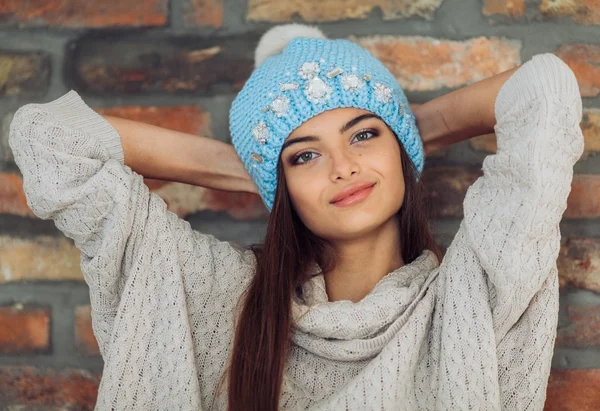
(155,152)
(461,114)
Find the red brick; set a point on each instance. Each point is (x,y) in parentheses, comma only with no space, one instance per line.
(573,390)
(485,143)
(439,153)
(85,341)
(582,11)
(584,199)
(186,119)
(424,63)
(141,64)
(509,8)
(446,189)
(24,74)
(203,13)
(334,10)
(579,263)
(584,60)
(35,388)
(84,13)
(25,329)
(583,330)
(40,258)
(12,196)
(590,126)
(6,155)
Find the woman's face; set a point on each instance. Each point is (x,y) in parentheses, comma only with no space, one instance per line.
(331,156)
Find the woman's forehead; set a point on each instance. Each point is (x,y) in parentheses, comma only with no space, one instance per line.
(328,121)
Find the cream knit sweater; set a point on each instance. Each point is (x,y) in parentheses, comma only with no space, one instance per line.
(474,332)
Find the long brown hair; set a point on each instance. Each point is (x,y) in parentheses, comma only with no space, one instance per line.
(264,328)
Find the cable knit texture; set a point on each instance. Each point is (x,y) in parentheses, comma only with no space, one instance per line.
(475,331)
(291,87)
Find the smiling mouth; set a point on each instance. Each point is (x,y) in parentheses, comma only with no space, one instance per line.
(354,198)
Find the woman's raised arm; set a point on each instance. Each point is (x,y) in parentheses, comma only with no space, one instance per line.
(461,114)
(512,212)
(153,280)
(155,152)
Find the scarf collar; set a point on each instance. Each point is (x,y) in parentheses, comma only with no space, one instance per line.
(347,330)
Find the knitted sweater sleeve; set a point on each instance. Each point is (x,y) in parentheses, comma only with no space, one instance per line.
(512,212)
(157,287)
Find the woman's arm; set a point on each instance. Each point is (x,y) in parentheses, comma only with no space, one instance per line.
(460,114)
(155,152)
(513,211)
(144,266)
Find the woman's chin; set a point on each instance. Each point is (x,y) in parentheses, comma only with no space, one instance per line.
(354,226)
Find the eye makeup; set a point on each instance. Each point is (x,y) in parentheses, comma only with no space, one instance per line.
(294,159)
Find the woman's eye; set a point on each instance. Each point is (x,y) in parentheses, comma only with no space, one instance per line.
(363,135)
(304,157)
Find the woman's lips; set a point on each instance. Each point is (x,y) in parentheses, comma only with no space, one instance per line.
(356,196)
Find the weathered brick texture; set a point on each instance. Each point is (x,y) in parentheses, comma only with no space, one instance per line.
(29,388)
(590,126)
(584,199)
(333,10)
(585,12)
(446,189)
(573,390)
(419,63)
(203,13)
(485,143)
(584,60)
(24,329)
(141,65)
(85,341)
(579,263)
(84,13)
(425,63)
(583,329)
(12,197)
(510,8)
(39,258)
(582,11)
(186,119)
(6,155)
(24,73)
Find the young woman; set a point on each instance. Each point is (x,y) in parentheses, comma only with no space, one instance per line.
(346,305)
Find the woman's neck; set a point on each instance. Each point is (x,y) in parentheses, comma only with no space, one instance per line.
(361,263)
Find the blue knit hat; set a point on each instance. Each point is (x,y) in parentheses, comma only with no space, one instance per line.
(299,76)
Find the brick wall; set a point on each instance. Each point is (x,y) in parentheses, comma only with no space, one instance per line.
(179,63)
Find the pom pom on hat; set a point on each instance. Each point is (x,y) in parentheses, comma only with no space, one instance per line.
(275,39)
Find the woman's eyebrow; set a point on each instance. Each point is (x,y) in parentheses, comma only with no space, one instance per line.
(357,120)
(295,140)
(343,129)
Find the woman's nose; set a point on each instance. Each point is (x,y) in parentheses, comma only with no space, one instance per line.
(343,165)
